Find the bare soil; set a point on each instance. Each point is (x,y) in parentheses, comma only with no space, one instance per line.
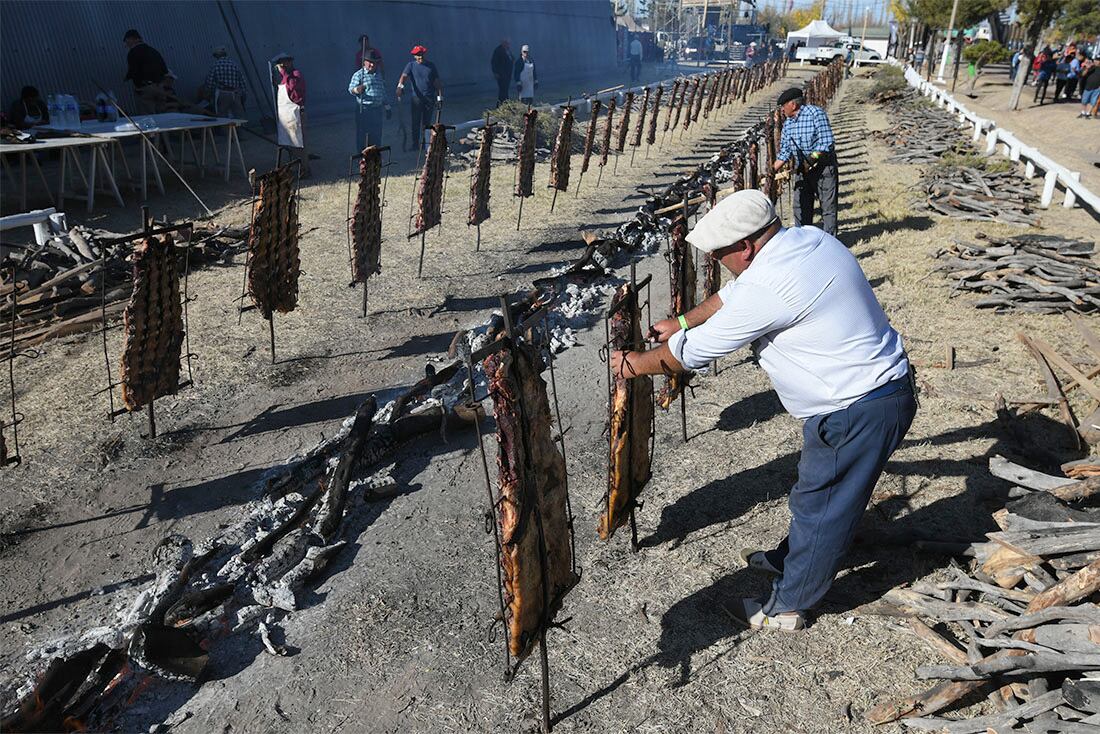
(397,636)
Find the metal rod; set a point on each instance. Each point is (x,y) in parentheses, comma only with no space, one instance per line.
(11,369)
(152,420)
(519,217)
(545,666)
(186,300)
(271,331)
(103,331)
(420,265)
(553,201)
(478,247)
(491,516)
(364,299)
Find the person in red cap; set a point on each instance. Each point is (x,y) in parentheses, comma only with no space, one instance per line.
(426,90)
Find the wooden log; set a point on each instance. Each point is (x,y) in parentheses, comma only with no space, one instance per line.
(1030,662)
(1002,721)
(1084,614)
(330,515)
(934,699)
(1080,585)
(942,611)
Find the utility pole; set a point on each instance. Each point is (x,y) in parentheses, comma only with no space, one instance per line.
(947,42)
(863,36)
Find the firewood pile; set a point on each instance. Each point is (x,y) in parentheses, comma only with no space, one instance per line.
(505,145)
(971,193)
(960,183)
(1020,626)
(153,324)
(1032,273)
(273,262)
(59,285)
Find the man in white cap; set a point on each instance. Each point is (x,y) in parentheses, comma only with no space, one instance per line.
(803,303)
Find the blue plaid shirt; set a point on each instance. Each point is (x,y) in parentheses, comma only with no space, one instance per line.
(374,88)
(224,74)
(806,132)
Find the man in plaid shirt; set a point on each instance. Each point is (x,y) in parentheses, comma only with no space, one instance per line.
(808,144)
(225,86)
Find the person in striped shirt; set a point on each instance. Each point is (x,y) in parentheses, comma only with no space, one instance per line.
(224,86)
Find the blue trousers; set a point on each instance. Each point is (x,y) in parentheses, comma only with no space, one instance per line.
(843,454)
(368,125)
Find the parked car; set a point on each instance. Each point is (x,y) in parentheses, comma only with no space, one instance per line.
(825,54)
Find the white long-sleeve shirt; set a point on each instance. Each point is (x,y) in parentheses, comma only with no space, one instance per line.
(818,329)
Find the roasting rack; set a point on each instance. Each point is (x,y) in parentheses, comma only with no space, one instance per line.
(526,331)
(11,455)
(241,307)
(605,354)
(416,189)
(352,174)
(473,177)
(149,228)
(567,109)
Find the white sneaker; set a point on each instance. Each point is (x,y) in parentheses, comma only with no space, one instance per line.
(757,560)
(750,612)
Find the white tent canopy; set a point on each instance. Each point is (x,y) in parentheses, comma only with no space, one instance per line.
(817,33)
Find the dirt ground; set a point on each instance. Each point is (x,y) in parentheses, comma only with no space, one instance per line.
(397,637)
(1053,128)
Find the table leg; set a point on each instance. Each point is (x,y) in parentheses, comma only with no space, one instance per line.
(228,153)
(117,144)
(195,154)
(203,133)
(79,168)
(144,170)
(61,186)
(91,180)
(240,153)
(41,177)
(23,175)
(214,147)
(109,174)
(156,173)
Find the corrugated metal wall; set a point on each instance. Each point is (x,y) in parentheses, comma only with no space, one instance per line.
(62,46)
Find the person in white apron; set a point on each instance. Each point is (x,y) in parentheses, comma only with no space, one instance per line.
(526,78)
(290,110)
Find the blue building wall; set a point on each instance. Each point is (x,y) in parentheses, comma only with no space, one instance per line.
(68,45)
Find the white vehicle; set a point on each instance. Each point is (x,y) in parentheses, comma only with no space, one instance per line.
(839,50)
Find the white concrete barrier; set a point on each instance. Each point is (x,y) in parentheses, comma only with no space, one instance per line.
(1055,174)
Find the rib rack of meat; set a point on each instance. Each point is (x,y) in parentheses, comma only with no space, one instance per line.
(563,150)
(429,193)
(672,105)
(682,300)
(273,263)
(712,273)
(609,126)
(366,218)
(631,422)
(624,124)
(689,105)
(713,96)
(651,133)
(700,97)
(153,325)
(590,136)
(639,130)
(479,182)
(532,515)
(526,163)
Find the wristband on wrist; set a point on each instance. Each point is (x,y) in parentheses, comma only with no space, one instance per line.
(683,322)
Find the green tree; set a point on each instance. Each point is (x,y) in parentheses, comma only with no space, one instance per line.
(1080,19)
(980,53)
(1036,17)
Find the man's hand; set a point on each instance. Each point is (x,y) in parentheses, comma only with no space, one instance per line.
(663,330)
(360,88)
(620,365)
(778,165)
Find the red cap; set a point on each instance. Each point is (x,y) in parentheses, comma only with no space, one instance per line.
(417,50)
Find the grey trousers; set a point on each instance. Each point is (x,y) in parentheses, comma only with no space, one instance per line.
(820,185)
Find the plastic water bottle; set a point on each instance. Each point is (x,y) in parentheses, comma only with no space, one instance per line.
(54,111)
(73,112)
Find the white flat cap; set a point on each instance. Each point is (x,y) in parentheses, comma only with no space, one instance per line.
(732,219)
